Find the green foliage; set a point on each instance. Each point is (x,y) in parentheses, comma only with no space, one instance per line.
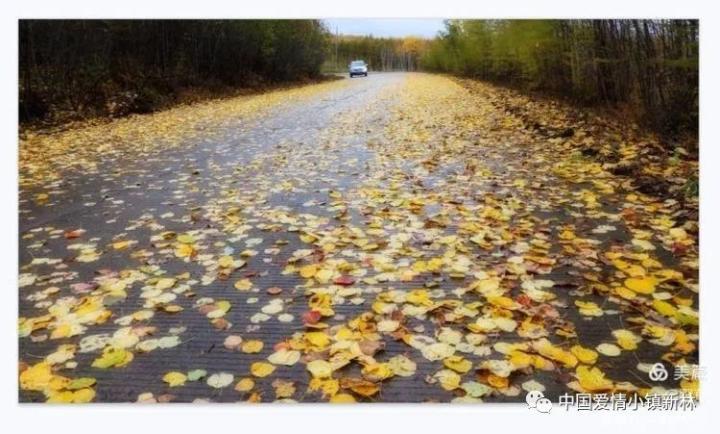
(649,66)
(692,187)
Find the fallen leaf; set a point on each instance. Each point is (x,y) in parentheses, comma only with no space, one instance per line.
(220,380)
(261,369)
(284,357)
(320,368)
(175,379)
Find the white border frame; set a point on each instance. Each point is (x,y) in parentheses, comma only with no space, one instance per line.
(368,419)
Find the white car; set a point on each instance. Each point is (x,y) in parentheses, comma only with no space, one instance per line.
(358,67)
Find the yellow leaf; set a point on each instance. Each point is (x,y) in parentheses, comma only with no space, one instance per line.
(498,382)
(402,366)
(328,387)
(343,398)
(252,346)
(626,339)
(284,357)
(283,389)
(121,245)
(667,274)
(320,368)
(184,251)
(175,379)
(223,305)
(437,351)
(664,308)
(628,268)
(458,364)
(226,261)
(185,239)
(687,315)
(435,264)
(643,244)
(261,369)
(165,283)
(377,371)
(83,396)
(62,331)
(308,271)
(502,301)
(547,349)
(488,287)
(419,297)
(321,303)
(361,387)
(172,308)
(36,377)
(419,266)
(593,379)
(318,340)
(691,386)
(543,364)
(588,308)
(57,383)
(584,355)
(324,275)
(245,385)
(61,397)
(567,235)
(520,360)
(387,326)
(624,293)
(61,355)
(80,383)
(243,285)
(449,380)
(113,357)
(644,285)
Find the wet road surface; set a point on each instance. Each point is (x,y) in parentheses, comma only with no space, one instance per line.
(413,218)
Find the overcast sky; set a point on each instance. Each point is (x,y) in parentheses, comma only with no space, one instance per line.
(386,27)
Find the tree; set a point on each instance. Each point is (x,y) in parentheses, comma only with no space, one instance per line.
(648,66)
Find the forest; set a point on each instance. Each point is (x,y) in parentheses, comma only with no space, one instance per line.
(382,54)
(647,68)
(81,68)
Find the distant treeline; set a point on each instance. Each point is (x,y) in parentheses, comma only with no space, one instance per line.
(85,67)
(382,54)
(649,66)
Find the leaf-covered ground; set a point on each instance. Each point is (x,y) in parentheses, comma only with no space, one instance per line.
(400,238)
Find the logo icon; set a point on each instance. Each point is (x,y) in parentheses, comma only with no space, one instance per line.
(658,372)
(536,399)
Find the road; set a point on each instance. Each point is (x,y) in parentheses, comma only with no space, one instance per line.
(395,238)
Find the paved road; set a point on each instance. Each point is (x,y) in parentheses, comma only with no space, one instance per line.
(364,177)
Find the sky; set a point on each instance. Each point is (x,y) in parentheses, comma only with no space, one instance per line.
(386,27)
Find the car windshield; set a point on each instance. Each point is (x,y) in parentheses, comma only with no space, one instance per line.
(358,63)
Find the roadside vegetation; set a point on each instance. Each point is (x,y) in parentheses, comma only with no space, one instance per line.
(75,69)
(645,69)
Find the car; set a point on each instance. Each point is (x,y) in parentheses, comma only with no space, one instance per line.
(358,67)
